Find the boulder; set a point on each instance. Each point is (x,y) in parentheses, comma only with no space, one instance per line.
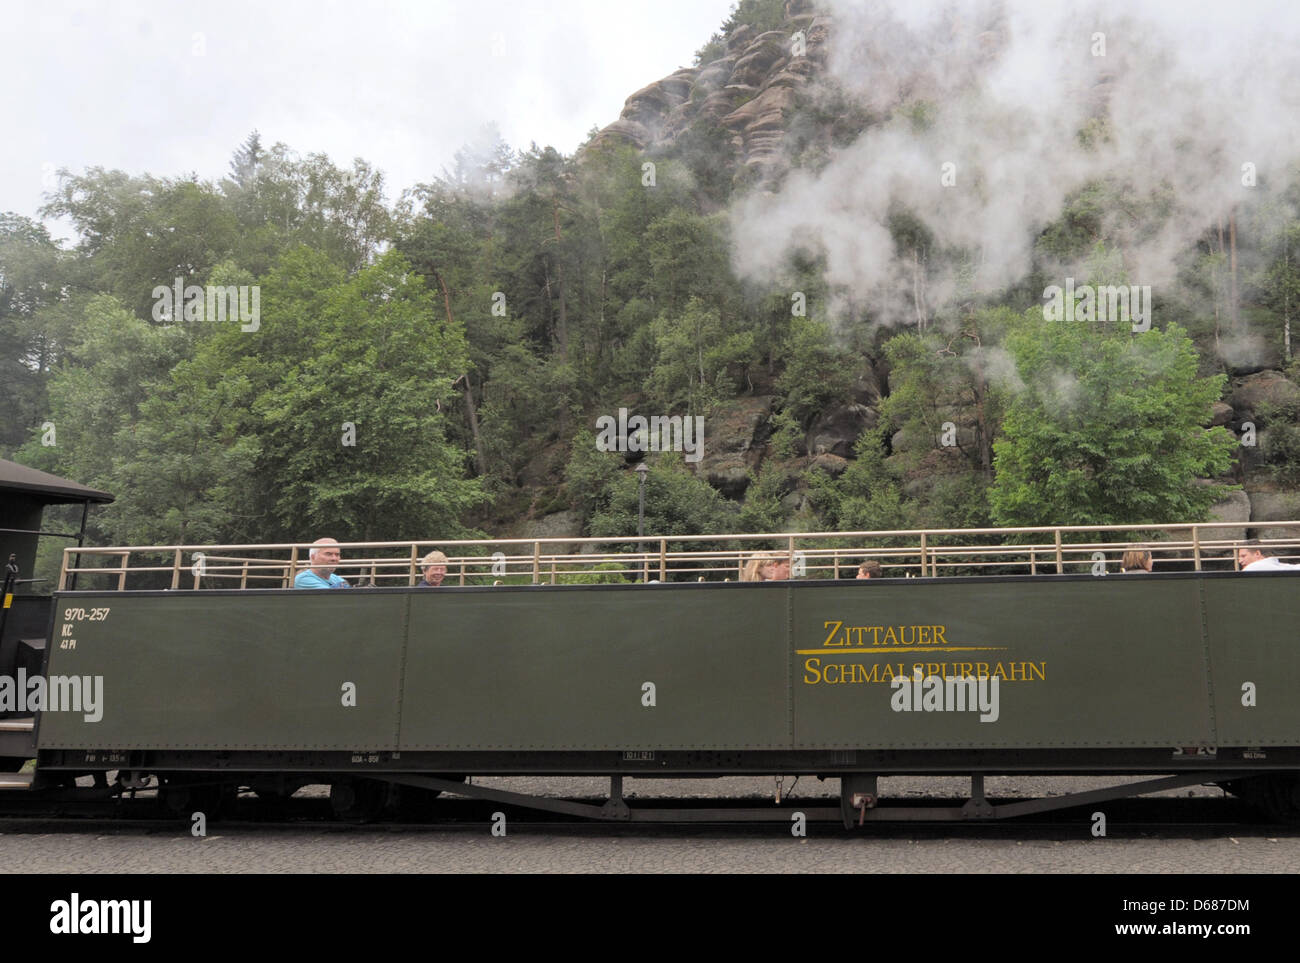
(1274,507)
(729,474)
(1271,388)
(1252,457)
(868,386)
(837,429)
(1235,507)
(833,465)
(1220,414)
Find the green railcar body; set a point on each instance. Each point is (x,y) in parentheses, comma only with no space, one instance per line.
(1113,674)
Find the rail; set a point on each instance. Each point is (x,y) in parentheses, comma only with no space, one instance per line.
(565,560)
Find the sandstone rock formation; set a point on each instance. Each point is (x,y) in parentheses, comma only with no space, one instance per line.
(750,92)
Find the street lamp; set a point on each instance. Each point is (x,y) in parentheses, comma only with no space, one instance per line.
(642,469)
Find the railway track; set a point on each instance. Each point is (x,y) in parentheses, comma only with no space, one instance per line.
(1125,819)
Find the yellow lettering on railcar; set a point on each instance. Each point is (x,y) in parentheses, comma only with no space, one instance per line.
(836,673)
(812,666)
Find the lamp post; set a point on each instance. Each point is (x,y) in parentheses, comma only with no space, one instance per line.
(641,471)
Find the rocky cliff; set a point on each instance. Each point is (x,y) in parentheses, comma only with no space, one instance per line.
(751,92)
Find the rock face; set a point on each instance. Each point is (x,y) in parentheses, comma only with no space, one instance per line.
(1270,388)
(1235,507)
(735,437)
(837,429)
(750,93)
(566,524)
(1274,507)
(747,98)
(1220,414)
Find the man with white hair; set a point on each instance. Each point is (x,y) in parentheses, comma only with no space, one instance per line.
(435,570)
(324,556)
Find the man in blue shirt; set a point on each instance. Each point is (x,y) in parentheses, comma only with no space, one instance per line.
(324,556)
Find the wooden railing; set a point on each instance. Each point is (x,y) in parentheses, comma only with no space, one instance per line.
(901,553)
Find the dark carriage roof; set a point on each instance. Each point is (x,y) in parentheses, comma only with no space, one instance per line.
(51,489)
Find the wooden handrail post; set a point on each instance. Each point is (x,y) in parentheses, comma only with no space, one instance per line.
(176,571)
(415,562)
(243,576)
(537,562)
(663,559)
(121,576)
(1060,561)
(1196,548)
(293,568)
(923,543)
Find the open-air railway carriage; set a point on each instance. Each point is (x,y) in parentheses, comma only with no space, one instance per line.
(981,652)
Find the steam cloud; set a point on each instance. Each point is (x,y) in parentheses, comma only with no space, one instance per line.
(1190,98)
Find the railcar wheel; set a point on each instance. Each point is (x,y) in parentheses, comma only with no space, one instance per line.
(1277,795)
(182,799)
(359,799)
(1282,797)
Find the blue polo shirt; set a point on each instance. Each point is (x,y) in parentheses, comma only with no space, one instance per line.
(309,579)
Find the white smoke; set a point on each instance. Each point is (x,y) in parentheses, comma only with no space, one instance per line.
(1190,99)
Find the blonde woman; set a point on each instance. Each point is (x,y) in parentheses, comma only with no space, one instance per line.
(767,567)
(1136,561)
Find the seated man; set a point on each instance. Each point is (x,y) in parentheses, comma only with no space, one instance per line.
(435,570)
(324,557)
(869,570)
(1253,557)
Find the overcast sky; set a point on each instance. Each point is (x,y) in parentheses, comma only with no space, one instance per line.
(173,88)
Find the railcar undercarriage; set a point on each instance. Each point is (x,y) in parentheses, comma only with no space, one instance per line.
(353,796)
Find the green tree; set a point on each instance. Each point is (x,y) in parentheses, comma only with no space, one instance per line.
(677,502)
(114,367)
(700,359)
(352,433)
(32,272)
(1107,428)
